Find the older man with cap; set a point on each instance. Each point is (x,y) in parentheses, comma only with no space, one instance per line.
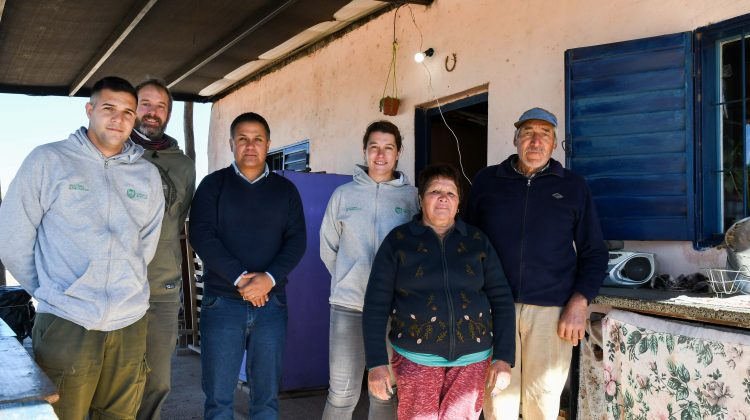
(541,219)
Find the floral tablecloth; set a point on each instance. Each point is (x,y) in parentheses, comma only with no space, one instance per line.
(658,369)
(591,402)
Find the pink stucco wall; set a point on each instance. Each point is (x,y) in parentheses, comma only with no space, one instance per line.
(515,48)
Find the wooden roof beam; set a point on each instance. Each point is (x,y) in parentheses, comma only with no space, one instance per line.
(2,7)
(226,44)
(420,2)
(118,36)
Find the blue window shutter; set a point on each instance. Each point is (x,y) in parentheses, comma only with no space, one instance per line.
(629,132)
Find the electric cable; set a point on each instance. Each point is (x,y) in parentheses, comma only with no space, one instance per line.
(432,93)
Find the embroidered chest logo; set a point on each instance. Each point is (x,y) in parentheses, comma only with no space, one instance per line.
(78,186)
(136,195)
(354,208)
(401,210)
(557,195)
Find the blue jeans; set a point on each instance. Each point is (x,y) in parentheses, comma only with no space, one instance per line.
(229,327)
(346,361)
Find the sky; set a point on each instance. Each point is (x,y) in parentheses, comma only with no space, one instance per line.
(29,121)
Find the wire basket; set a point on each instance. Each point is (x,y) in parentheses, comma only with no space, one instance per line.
(728,282)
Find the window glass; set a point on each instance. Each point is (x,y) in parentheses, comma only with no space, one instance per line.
(731,70)
(732,116)
(295,157)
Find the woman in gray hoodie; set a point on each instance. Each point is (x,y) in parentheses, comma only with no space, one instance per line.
(359,215)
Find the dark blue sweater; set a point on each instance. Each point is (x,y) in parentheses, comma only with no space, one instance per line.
(545,231)
(236,226)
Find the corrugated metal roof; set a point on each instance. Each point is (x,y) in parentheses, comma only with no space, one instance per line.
(201,48)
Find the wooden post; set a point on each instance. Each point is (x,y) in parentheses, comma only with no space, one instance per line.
(189,135)
(188,323)
(2,267)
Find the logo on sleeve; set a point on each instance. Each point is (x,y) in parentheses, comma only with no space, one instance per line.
(136,195)
(557,195)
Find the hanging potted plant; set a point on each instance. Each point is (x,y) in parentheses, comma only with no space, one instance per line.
(389,104)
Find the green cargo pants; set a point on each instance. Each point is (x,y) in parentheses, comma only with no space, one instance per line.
(100,374)
(161,342)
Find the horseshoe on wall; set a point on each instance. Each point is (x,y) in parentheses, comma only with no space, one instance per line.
(448,61)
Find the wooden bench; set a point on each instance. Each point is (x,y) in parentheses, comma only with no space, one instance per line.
(25,391)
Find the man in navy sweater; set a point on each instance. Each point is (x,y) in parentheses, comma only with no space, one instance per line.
(541,220)
(248,227)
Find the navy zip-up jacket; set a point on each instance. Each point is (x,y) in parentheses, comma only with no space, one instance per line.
(545,231)
(447,298)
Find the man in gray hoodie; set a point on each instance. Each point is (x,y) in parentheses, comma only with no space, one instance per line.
(81,223)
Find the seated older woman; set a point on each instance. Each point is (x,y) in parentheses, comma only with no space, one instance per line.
(451,311)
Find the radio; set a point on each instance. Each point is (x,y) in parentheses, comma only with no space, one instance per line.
(629,269)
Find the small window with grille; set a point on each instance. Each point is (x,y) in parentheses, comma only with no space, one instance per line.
(295,157)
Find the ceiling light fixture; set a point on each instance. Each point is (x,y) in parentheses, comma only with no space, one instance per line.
(420,56)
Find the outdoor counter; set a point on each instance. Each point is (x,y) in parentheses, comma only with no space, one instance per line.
(644,361)
(732,311)
(25,391)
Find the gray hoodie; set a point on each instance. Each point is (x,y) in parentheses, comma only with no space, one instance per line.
(359,215)
(77,231)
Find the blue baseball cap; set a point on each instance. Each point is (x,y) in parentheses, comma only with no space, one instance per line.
(537,114)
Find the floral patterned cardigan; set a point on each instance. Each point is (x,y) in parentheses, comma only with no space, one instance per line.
(447,298)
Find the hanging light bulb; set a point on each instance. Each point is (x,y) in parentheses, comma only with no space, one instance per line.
(420,56)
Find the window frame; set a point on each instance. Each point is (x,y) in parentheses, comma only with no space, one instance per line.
(709,202)
(287,150)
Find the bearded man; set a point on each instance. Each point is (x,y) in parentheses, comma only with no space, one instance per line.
(177,172)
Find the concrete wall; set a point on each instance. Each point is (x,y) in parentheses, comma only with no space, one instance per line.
(513,49)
